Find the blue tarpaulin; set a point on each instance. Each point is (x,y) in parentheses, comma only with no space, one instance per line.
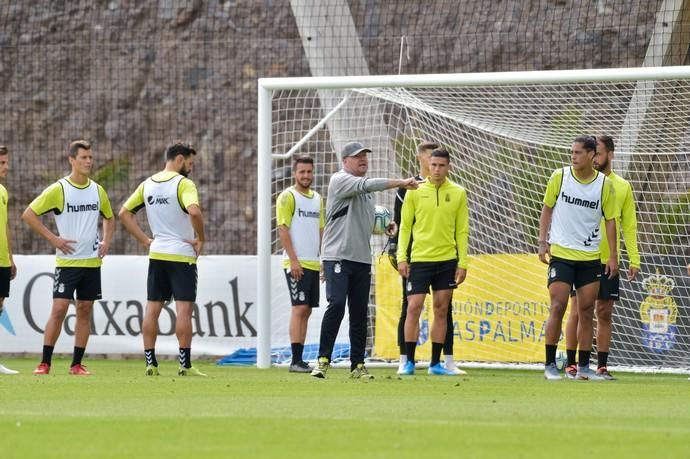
(247,356)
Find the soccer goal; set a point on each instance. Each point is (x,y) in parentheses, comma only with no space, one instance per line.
(506,133)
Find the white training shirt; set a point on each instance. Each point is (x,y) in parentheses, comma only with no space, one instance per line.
(305,227)
(169,222)
(577,214)
(78,220)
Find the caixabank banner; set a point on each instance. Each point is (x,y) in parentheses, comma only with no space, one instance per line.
(224,317)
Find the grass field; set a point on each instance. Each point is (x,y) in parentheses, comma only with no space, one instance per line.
(244,412)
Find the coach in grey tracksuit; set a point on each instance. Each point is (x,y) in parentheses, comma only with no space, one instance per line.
(346,252)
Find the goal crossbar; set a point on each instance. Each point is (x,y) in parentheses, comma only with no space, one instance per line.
(471,79)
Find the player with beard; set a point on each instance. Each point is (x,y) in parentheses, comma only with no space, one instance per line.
(609,288)
(177,224)
(300,217)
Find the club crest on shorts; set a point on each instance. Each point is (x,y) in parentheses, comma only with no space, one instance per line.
(552,273)
(336,268)
(409,286)
(301,296)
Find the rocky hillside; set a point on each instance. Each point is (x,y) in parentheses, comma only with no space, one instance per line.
(133,76)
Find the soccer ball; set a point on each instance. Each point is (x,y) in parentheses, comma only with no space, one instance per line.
(382,218)
(561,360)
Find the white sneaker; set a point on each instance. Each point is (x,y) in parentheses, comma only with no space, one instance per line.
(551,372)
(6,371)
(455,370)
(587,374)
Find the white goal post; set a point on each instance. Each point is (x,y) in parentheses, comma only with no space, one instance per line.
(510,119)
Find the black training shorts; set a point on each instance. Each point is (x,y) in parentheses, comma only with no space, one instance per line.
(5,275)
(609,288)
(439,275)
(85,282)
(306,290)
(171,279)
(574,273)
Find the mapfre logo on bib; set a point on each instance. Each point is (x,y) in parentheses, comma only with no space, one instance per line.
(153,200)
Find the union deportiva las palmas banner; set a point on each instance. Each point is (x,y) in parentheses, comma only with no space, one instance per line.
(499,312)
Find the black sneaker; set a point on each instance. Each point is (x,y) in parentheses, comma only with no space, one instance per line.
(300,367)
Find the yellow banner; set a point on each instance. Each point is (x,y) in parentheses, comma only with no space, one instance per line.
(499,312)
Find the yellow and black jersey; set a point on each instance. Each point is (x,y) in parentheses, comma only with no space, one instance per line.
(436,218)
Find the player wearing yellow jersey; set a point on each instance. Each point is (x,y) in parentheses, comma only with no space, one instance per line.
(177,224)
(576,198)
(76,201)
(301,217)
(609,288)
(8,270)
(436,218)
(424,150)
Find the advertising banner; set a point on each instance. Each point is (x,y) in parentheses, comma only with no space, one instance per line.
(223,321)
(498,314)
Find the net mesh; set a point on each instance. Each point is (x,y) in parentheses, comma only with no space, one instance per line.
(505,141)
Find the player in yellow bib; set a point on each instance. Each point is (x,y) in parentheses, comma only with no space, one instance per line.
(609,288)
(77,202)
(8,270)
(300,216)
(174,215)
(576,198)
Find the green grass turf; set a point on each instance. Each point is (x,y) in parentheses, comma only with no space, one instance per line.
(241,412)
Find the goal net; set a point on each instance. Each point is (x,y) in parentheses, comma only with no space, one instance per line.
(506,134)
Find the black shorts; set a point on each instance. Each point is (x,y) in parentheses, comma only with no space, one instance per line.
(86,282)
(609,288)
(439,275)
(5,274)
(171,279)
(306,290)
(574,273)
